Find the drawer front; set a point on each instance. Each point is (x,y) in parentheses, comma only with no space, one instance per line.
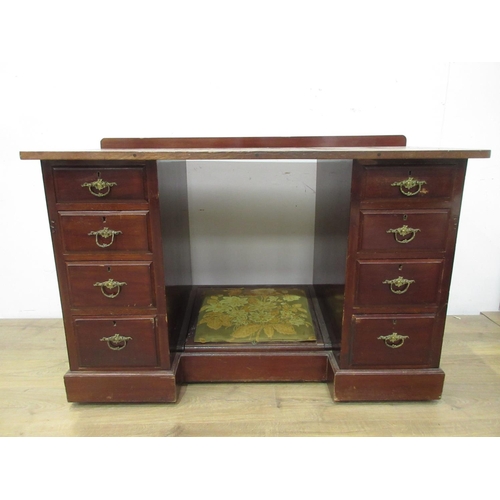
(111,285)
(100,185)
(105,232)
(404,231)
(392,341)
(116,343)
(398,283)
(408,183)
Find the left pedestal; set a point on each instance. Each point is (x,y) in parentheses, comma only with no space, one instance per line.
(105,223)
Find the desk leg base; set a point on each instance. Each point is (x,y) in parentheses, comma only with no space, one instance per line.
(253,367)
(121,387)
(387,385)
(162,386)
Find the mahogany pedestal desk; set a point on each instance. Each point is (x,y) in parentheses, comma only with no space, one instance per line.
(385,231)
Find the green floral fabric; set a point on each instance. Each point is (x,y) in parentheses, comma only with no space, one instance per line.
(253,315)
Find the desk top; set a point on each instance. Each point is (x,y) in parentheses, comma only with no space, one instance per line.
(261,153)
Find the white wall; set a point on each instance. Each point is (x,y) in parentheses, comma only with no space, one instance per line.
(252,222)
(73,72)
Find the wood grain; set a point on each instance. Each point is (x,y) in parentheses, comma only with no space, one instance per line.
(33,400)
(380,153)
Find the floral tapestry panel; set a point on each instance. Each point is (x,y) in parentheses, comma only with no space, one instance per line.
(254,315)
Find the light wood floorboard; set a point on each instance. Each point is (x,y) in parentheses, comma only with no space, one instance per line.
(33,402)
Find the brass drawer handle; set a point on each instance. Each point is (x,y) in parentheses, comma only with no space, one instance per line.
(403,232)
(406,187)
(394,340)
(110,285)
(397,285)
(100,187)
(104,233)
(116,342)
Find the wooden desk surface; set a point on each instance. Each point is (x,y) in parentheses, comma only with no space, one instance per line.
(301,153)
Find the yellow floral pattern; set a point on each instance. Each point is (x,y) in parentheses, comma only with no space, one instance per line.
(254,315)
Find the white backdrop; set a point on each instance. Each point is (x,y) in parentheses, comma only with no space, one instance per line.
(74,72)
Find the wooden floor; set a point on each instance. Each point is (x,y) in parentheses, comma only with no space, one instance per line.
(33,403)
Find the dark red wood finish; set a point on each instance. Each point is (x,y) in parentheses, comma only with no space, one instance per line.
(366,141)
(425,230)
(372,289)
(137,291)
(136,309)
(138,386)
(138,351)
(254,367)
(369,349)
(415,311)
(388,385)
(128,183)
(439,178)
(353,308)
(80,232)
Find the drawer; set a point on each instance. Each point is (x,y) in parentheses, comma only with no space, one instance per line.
(392,341)
(105,232)
(407,183)
(111,285)
(398,283)
(116,343)
(404,231)
(102,185)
